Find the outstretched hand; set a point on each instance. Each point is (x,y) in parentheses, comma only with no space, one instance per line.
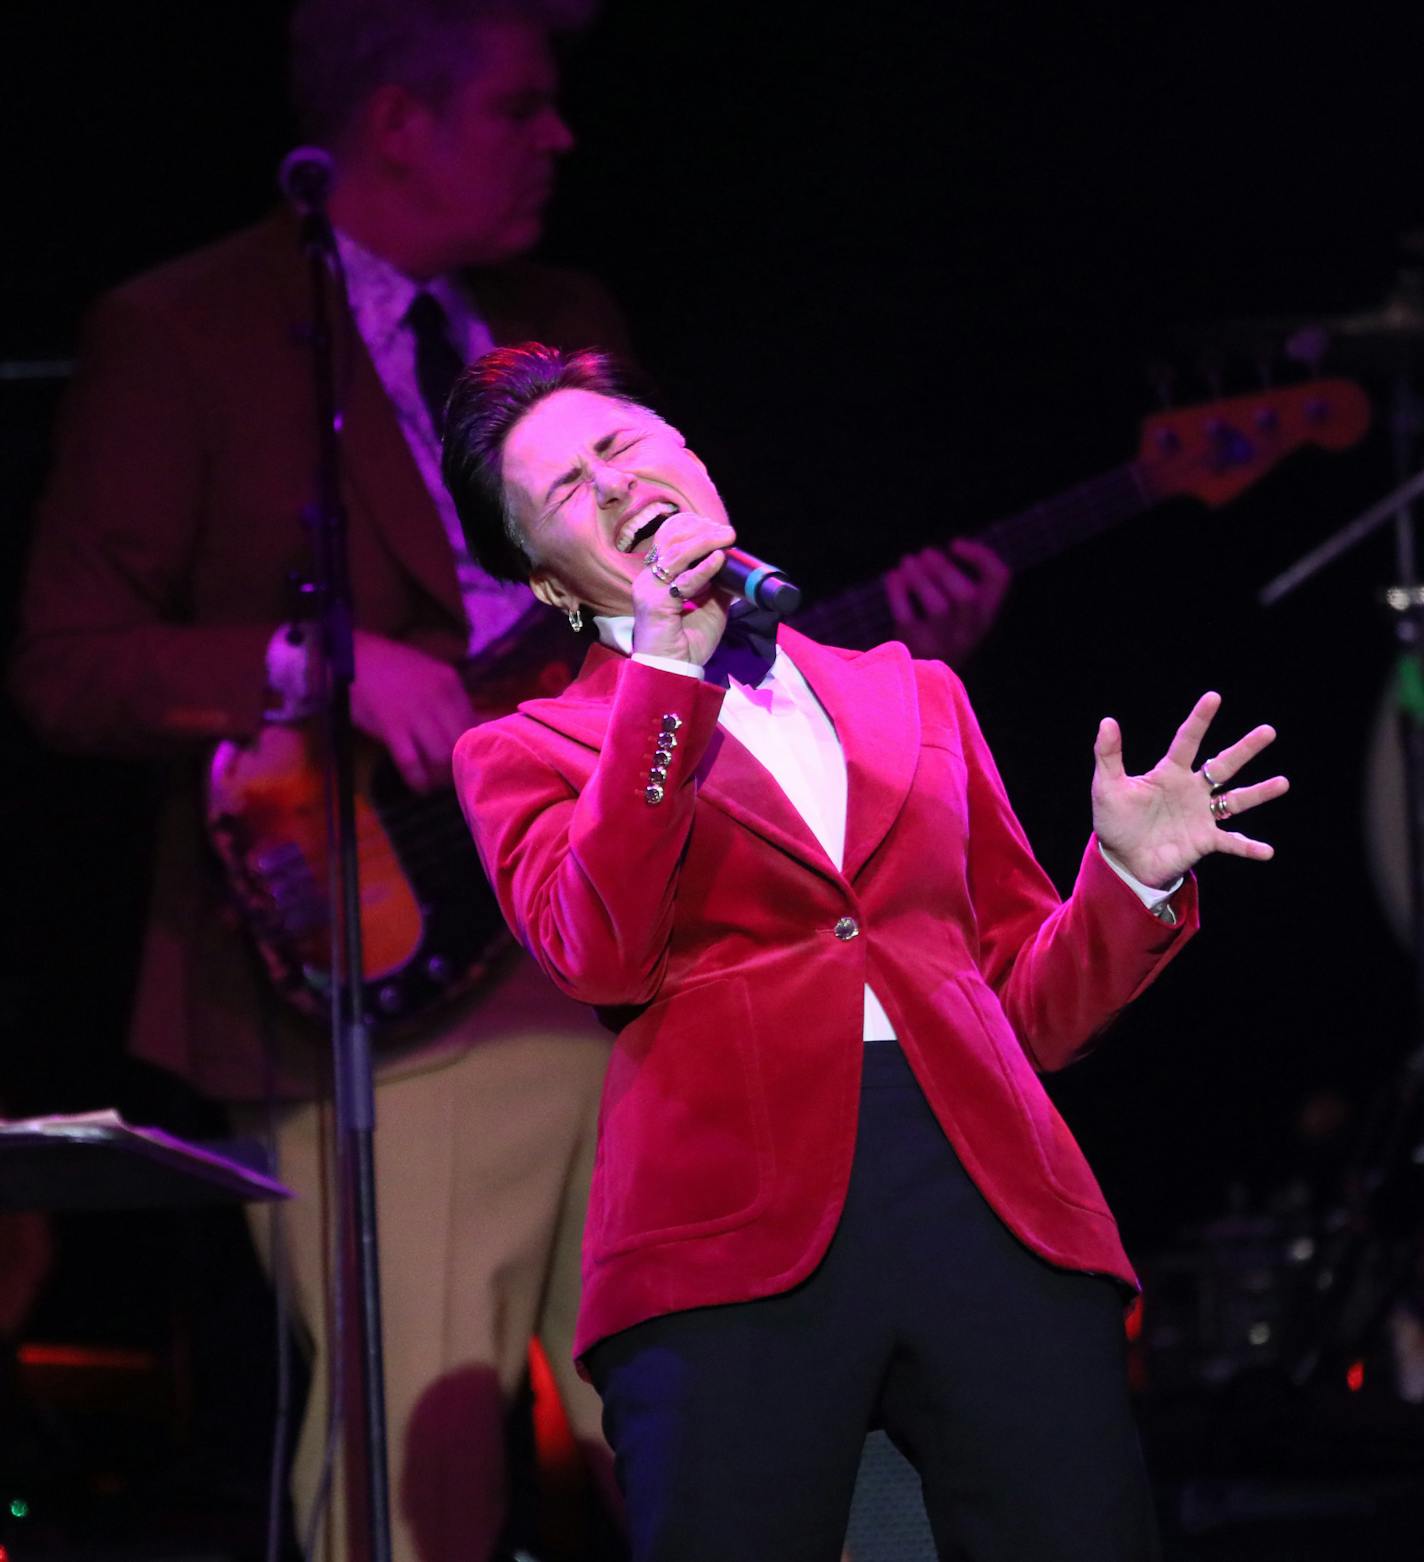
(1160,825)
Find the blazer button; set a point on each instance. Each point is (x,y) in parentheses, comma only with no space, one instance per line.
(847,928)
(653,794)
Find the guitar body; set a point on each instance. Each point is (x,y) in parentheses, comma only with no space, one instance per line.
(429,923)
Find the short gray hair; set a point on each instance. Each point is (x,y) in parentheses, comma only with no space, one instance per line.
(489,398)
(343,50)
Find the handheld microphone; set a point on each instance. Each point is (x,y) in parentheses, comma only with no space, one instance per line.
(304,177)
(762,584)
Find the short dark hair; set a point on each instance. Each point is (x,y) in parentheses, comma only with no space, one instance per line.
(489,398)
(341,51)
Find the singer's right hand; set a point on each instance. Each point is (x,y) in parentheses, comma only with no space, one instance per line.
(685,627)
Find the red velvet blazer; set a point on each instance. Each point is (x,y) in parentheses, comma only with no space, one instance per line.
(714,928)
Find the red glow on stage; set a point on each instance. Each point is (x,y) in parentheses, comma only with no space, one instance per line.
(1355,1377)
(86,1356)
(553,1436)
(1134,1320)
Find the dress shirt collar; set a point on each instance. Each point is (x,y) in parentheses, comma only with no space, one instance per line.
(380,294)
(616,632)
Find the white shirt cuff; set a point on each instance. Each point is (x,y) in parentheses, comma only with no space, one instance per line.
(1154,899)
(290,682)
(669,664)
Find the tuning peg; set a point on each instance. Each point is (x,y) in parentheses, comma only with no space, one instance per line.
(1163,379)
(1212,363)
(1266,419)
(1308,346)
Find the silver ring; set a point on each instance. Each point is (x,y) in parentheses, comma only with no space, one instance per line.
(650,558)
(659,573)
(1207,776)
(1219,809)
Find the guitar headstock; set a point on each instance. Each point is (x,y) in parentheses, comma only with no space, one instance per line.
(1216,451)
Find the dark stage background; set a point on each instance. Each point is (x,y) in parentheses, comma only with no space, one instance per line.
(901,269)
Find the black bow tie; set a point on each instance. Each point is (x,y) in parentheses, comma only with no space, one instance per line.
(747,647)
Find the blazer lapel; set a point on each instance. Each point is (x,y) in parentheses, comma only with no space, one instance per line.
(729,777)
(872,701)
(732,779)
(581,711)
(376,460)
(382,470)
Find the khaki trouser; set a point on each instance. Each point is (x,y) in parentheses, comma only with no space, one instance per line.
(483,1161)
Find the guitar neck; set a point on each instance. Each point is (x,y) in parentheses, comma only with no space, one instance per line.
(861,616)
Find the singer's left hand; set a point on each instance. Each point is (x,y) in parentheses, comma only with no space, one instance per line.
(945,600)
(1160,825)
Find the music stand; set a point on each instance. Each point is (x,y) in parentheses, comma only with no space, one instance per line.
(97,1161)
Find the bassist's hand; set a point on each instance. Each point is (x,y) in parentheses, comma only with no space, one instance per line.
(945,600)
(413,704)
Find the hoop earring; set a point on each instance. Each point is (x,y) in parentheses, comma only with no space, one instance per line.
(576,620)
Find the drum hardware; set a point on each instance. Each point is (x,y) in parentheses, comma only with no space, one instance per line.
(1383,340)
(1383,1233)
(1233,1297)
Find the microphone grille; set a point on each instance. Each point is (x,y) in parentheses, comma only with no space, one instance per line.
(304,177)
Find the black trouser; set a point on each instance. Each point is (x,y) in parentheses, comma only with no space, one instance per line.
(738,1429)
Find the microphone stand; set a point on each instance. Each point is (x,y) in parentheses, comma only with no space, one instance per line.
(353,1092)
(1393,1143)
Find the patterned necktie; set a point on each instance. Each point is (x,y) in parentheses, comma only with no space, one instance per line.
(747,647)
(436,361)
